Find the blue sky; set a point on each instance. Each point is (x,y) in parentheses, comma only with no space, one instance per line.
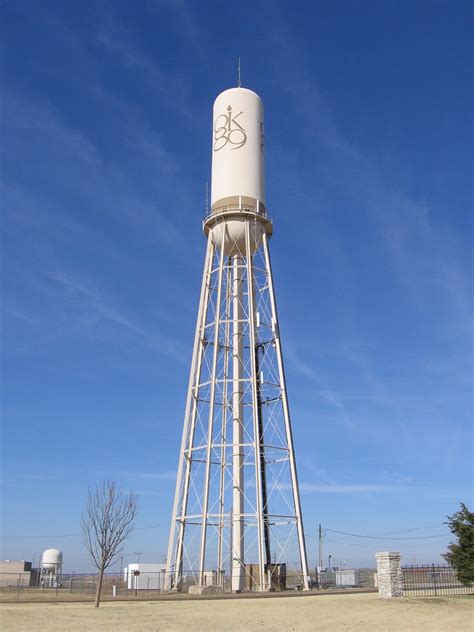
(106,121)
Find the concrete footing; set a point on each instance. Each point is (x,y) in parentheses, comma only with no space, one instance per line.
(204,590)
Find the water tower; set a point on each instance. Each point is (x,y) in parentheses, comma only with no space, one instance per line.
(51,567)
(237,510)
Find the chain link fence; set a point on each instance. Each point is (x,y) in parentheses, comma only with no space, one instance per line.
(136,581)
(144,584)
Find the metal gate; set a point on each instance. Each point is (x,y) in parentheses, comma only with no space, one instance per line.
(432,580)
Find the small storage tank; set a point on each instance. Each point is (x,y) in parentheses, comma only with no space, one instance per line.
(51,567)
(52,561)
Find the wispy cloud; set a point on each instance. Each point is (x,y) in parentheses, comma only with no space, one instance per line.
(378,393)
(90,177)
(424,257)
(36,273)
(323,389)
(167,475)
(100,306)
(423,252)
(186,23)
(171,90)
(369,488)
(28,476)
(355,488)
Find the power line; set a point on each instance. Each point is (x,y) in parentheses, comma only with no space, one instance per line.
(30,537)
(375,537)
(69,535)
(310,532)
(313,530)
(431,526)
(372,545)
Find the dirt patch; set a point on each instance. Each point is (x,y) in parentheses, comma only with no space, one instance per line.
(328,613)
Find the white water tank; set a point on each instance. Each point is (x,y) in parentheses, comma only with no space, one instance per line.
(238,163)
(238,170)
(52,560)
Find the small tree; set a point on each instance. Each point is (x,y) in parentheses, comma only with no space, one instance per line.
(106,522)
(461,553)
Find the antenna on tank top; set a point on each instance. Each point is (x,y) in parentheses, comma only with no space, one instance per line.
(239,83)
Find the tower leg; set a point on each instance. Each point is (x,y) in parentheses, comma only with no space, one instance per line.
(238,568)
(286,414)
(174,562)
(225,412)
(210,427)
(255,412)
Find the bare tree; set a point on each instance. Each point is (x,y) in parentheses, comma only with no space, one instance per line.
(106,522)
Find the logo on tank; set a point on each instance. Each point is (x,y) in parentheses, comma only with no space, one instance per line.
(228,131)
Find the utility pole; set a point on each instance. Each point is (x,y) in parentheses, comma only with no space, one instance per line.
(320,547)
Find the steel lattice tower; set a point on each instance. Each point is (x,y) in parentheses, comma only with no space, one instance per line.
(237,508)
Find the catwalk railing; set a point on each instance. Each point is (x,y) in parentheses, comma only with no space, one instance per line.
(433,580)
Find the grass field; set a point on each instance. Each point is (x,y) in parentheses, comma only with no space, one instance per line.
(334,613)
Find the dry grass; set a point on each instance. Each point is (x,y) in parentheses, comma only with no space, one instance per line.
(334,613)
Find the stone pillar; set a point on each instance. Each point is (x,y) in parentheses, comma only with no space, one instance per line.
(389,574)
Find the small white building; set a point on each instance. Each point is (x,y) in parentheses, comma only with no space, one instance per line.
(144,576)
(347,577)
